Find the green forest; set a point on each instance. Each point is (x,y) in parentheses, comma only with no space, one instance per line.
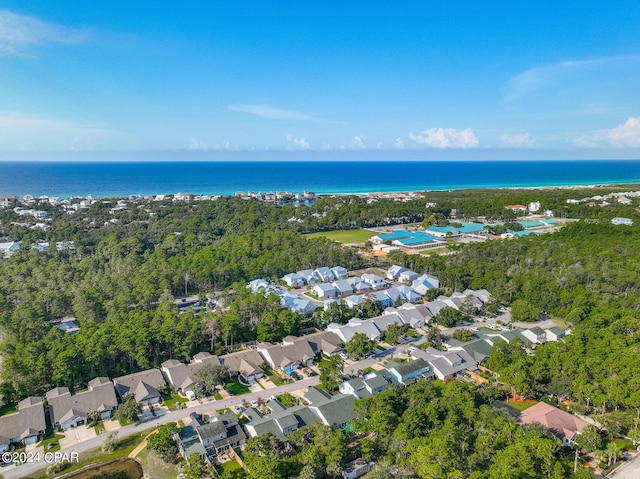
(122,282)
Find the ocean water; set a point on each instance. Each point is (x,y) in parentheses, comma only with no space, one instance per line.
(104,179)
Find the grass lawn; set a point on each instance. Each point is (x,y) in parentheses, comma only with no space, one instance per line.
(236,388)
(621,443)
(345,236)
(155,467)
(287,400)
(51,442)
(229,467)
(96,456)
(380,347)
(171,401)
(275,379)
(521,406)
(368,370)
(324,362)
(560,322)
(124,422)
(217,396)
(412,333)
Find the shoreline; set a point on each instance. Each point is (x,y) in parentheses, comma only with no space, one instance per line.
(415,193)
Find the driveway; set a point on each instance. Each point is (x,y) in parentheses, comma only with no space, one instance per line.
(629,470)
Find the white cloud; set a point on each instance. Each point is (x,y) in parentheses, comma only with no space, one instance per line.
(271,113)
(23,132)
(196,145)
(446,138)
(17,32)
(625,135)
(552,76)
(398,144)
(223,145)
(358,142)
(326,147)
(299,142)
(517,139)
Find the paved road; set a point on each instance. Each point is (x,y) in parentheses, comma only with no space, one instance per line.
(629,470)
(24,470)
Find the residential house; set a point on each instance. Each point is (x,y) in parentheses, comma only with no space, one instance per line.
(384,321)
(357,468)
(27,425)
(408,294)
(328,302)
(143,385)
(246,364)
(184,377)
(358,285)
(408,373)
(369,386)
(324,290)
(7,201)
(536,335)
(335,411)
(325,274)
(220,434)
(555,333)
(564,425)
(68,325)
(324,342)
(411,315)
(434,307)
(353,301)
(622,221)
(375,281)
(67,410)
(303,306)
(424,283)
(384,299)
(9,249)
(343,287)
(354,326)
(308,275)
(258,285)
(446,364)
(294,280)
(287,356)
(393,273)
(408,276)
(339,272)
(188,441)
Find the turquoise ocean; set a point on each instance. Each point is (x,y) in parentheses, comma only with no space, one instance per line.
(108,179)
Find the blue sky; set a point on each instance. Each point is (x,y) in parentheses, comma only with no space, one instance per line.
(320,79)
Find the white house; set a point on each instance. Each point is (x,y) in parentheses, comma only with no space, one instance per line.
(394,272)
(325,274)
(309,276)
(324,290)
(293,280)
(375,281)
(339,272)
(8,249)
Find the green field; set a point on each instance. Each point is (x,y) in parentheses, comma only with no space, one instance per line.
(345,236)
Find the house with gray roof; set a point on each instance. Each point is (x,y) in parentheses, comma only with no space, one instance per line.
(246,364)
(308,275)
(67,410)
(368,386)
(287,357)
(303,306)
(143,385)
(355,325)
(343,287)
(384,321)
(412,315)
(324,290)
(324,342)
(536,335)
(408,276)
(434,307)
(555,333)
(339,272)
(446,364)
(375,281)
(293,280)
(393,273)
(324,274)
(424,283)
(353,301)
(28,425)
(408,373)
(385,300)
(478,349)
(184,377)
(336,411)
(358,285)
